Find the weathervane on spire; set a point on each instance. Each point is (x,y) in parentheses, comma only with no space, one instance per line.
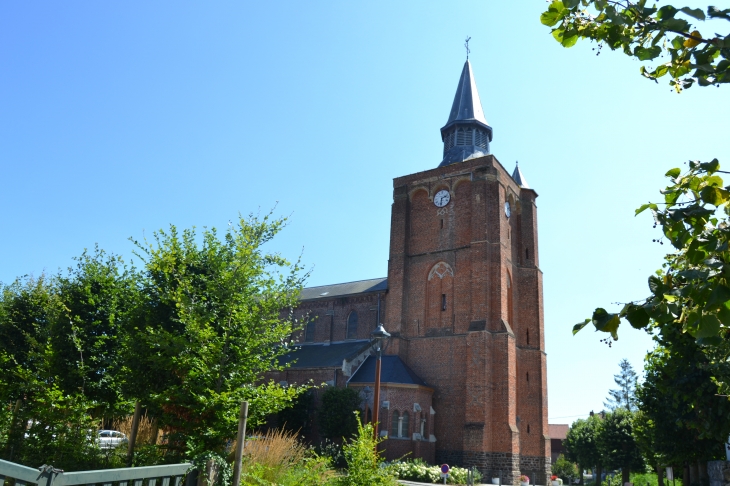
(466,44)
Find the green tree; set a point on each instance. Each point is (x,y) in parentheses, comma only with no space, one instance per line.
(667,36)
(617,445)
(670,428)
(98,296)
(690,294)
(625,395)
(581,445)
(338,413)
(46,424)
(211,325)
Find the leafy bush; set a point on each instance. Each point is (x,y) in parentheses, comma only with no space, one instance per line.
(333,452)
(650,479)
(364,465)
(564,469)
(418,470)
(337,419)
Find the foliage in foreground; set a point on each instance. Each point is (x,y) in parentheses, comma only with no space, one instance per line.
(667,35)
(364,465)
(187,337)
(418,470)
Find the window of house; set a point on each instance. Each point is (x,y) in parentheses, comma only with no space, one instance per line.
(309,331)
(395,424)
(352,325)
(443,302)
(404,425)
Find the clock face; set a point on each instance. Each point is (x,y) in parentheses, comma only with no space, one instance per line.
(507,209)
(442,198)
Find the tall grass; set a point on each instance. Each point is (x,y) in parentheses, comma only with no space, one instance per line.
(147,432)
(280,458)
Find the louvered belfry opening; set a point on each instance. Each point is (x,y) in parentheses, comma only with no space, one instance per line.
(466,137)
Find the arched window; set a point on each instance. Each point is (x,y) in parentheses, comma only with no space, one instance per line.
(528,336)
(352,325)
(394,424)
(309,331)
(404,425)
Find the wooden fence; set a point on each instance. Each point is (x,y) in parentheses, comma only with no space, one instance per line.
(168,475)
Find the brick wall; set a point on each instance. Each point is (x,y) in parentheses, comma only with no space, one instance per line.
(464,305)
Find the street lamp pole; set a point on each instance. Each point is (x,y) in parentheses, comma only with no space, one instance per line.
(379,335)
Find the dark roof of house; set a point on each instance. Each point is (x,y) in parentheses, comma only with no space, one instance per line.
(321,355)
(392,370)
(349,288)
(558,431)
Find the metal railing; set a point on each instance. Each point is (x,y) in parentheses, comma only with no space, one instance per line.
(167,475)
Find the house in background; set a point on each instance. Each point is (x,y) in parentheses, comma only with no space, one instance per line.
(557,433)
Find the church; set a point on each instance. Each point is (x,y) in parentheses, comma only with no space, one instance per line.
(464,373)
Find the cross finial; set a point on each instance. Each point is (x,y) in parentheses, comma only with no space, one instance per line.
(466,44)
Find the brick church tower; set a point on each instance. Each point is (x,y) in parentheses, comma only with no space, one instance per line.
(464,375)
(464,300)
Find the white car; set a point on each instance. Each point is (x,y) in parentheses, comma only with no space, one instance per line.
(109,439)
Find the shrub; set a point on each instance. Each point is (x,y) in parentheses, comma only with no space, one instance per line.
(364,465)
(418,470)
(333,452)
(564,469)
(337,417)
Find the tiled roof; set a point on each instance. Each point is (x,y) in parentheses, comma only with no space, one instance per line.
(392,370)
(558,431)
(321,355)
(349,288)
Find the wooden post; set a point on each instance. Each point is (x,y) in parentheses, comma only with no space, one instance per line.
(133,433)
(238,461)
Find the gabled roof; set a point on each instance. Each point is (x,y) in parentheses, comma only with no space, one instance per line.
(467,105)
(519,178)
(322,355)
(349,288)
(392,370)
(558,431)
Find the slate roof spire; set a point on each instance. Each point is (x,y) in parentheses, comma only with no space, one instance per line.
(466,134)
(518,177)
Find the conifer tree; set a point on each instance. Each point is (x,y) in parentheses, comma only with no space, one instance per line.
(625,395)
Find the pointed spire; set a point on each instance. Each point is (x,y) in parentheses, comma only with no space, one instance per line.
(466,134)
(467,105)
(518,177)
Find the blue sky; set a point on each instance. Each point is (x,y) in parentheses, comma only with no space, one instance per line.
(117,119)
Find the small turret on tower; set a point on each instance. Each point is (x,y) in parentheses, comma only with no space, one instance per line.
(466,134)
(518,177)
